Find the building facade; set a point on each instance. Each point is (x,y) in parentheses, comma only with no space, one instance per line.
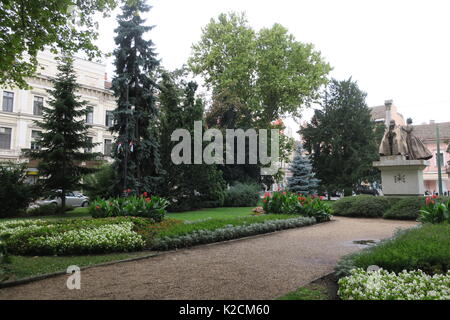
(427,133)
(20,108)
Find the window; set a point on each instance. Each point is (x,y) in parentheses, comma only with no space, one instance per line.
(35,135)
(5,138)
(107,147)
(8,101)
(439,159)
(109,119)
(38,104)
(88,150)
(90,116)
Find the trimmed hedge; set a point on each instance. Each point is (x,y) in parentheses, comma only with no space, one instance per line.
(242,195)
(362,206)
(228,233)
(405,209)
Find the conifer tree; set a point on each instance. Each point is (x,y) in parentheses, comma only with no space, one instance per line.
(136,154)
(64,141)
(303,178)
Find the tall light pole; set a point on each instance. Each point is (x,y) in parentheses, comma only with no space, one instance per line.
(439,160)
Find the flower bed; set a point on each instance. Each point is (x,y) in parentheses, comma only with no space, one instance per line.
(134,206)
(72,236)
(291,203)
(384,285)
(228,232)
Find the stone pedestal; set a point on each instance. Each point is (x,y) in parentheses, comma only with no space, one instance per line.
(401,177)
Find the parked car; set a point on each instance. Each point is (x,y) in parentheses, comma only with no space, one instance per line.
(73,199)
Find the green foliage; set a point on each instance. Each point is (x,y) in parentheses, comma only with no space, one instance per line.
(101,184)
(435,211)
(242,195)
(268,72)
(228,232)
(136,149)
(361,206)
(384,285)
(187,186)
(15,193)
(424,248)
(405,209)
(30,26)
(143,206)
(291,203)
(64,135)
(341,138)
(302,180)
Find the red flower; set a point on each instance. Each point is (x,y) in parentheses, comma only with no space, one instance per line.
(435,196)
(145,194)
(427,201)
(147,199)
(97,207)
(264,200)
(322,197)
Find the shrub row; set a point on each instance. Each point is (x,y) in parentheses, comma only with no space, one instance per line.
(400,208)
(228,233)
(384,285)
(242,195)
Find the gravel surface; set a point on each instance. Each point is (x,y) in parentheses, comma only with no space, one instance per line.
(263,267)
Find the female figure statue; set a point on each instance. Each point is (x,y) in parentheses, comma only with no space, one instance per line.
(416,148)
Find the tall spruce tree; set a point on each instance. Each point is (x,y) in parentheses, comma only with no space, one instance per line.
(64,140)
(342,138)
(303,178)
(136,149)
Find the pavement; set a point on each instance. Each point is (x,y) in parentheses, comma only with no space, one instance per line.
(262,267)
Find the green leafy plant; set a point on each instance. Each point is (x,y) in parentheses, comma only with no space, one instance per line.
(242,195)
(363,206)
(291,203)
(153,207)
(435,211)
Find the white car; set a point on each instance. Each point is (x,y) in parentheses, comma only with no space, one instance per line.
(73,199)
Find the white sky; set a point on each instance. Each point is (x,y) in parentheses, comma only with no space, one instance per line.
(395,49)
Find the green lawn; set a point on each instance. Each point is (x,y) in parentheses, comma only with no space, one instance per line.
(212,213)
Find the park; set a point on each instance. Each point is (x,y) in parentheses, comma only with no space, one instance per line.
(251,172)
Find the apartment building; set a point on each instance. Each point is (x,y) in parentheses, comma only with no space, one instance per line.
(19,109)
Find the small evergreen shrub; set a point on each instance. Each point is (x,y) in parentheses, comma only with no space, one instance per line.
(303,178)
(45,210)
(101,184)
(242,195)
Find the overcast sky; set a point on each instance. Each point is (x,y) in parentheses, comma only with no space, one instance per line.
(395,49)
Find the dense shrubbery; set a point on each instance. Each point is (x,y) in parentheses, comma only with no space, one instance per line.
(228,232)
(242,195)
(101,184)
(435,211)
(45,210)
(15,193)
(291,203)
(362,206)
(136,206)
(384,285)
(425,248)
(405,209)
(72,236)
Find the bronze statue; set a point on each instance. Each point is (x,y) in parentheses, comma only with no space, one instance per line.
(399,140)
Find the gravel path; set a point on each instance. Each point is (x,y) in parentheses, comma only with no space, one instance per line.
(263,267)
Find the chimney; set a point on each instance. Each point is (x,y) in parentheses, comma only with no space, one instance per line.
(388,105)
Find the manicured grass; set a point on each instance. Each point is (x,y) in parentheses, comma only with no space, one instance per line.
(426,248)
(212,213)
(23,267)
(313,292)
(216,223)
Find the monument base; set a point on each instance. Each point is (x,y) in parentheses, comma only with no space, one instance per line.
(401,177)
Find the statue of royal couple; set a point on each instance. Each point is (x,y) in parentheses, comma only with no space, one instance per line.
(399,140)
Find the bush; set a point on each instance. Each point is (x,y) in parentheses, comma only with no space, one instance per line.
(101,184)
(383,285)
(362,206)
(72,236)
(425,248)
(405,209)
(291,203)
(134,206)
(242,195)
(228,233)
(15,192)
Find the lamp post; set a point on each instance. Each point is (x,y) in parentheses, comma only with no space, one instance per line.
(439,164)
